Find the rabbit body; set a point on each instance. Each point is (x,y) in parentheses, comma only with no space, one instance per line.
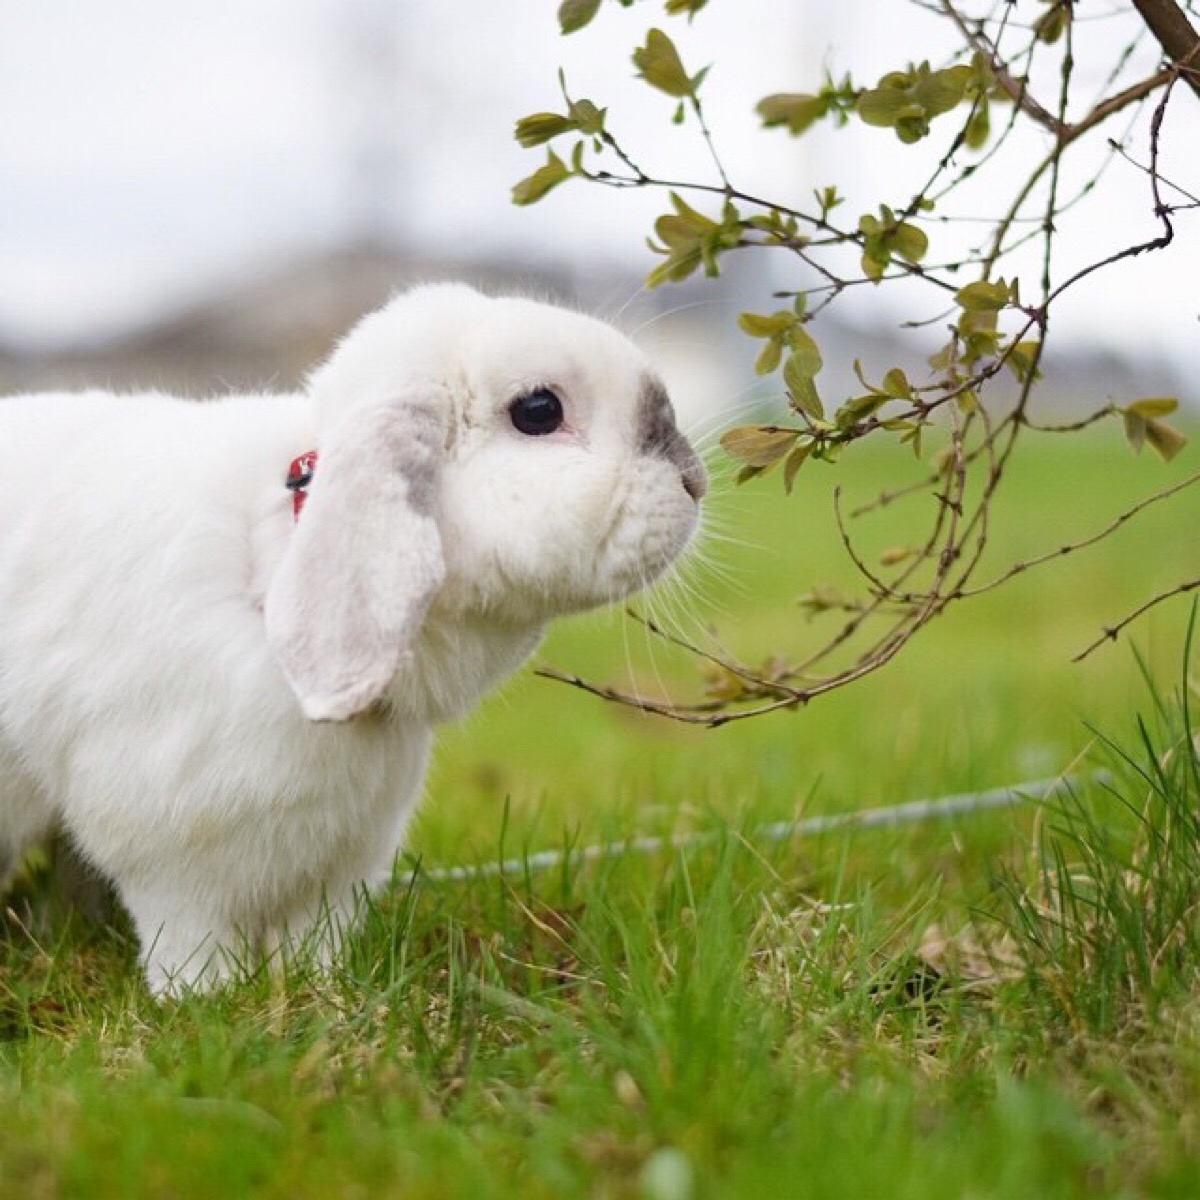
(230,708)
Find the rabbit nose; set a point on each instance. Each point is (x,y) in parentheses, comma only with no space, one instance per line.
(658,434)
(695,477)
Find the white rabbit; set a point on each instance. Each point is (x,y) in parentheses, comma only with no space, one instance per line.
(227,704)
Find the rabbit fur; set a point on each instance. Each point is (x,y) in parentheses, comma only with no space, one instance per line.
(228,708)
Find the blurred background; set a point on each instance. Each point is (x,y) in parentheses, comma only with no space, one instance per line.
(200,195)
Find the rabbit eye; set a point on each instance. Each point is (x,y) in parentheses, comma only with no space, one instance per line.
(536,413)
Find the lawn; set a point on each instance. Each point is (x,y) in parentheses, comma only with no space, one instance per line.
(1004,1004)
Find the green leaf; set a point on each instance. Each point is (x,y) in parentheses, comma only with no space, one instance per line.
(696,220)
(1144,423)
(909,242)
(858,408)
(797,110)
(678,267)
(1135,429)
(584,117)
(860,374)
(778,226)
(805,398)
(539,128)
(874,263)
(1022,359)
(802,389)
(980,338)
(979,127)
(984,296)
(884,106)
(893,556)
(690,239)
(770,358)
(907,101)
(677,233)
(575,14)
(1051,25)
(720,683)
(825,597)
(909,431)
(543,180)
(764,326)
(1159,406)
(774,328)
(896,385)
(795,460)
(1166,439)
(805,351)
(659,64)
(885,237)
(759,445)
(941,91)
(827,198)
(588,119)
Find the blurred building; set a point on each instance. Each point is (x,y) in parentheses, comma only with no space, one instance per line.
(270,331)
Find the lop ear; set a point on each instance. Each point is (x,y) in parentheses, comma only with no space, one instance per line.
(365,560)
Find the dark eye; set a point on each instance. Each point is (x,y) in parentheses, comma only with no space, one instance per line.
(536,413)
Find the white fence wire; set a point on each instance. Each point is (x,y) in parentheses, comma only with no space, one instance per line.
(912,812)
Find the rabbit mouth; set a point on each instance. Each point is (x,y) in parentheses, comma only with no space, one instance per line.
(639,546)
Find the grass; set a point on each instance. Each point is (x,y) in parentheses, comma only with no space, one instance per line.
(1003,1005)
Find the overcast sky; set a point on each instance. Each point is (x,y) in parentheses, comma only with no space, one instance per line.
(154,151)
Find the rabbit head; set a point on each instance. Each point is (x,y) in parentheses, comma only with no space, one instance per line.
(491,459)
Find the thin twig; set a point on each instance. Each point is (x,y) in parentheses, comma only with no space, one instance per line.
(1083,543)
(1112,632)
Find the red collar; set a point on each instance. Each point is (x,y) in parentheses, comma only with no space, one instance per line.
(299,476)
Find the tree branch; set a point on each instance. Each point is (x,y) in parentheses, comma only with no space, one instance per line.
(1174,33)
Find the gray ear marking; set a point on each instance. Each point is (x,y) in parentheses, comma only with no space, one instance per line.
(659,435)
(365,560)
